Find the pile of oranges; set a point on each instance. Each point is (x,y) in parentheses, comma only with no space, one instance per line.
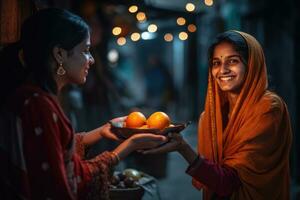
(157,120)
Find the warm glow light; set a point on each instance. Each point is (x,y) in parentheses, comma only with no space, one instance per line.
(141,16)
(113,56)
(117,30)
(148,36)
(133,9)
(183,36)
(121,41)
(152,28)
(180,21)
(192,28)
(209,2)
(190,7)
(135,36)
(168,37)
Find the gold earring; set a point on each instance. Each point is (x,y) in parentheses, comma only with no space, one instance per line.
(60,71)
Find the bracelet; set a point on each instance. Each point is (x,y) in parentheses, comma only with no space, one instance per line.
(116,157)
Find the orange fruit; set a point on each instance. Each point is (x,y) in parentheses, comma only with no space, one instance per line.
(135,120)
(144,127)
(158,120)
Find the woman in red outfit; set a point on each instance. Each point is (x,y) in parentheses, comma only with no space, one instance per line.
(39,152)
(244,134)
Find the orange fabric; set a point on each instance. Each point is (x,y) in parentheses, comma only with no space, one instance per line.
(257,139)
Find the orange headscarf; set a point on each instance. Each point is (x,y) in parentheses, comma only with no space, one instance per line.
(257,139)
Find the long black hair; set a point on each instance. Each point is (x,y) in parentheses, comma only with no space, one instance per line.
(40,33)
(238,42)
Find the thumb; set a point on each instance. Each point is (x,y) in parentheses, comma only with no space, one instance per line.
(161,138)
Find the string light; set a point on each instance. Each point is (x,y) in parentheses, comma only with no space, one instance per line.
(148,36)
(183,36)
(135,37)
(121,41)
(133,9)
(209,2)
(152,28)
(192,28)
(168,37)
(180,21)
(116,30)
(190,7)
(113,56)
(141,16)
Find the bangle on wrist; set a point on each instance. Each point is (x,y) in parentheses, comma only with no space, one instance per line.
(116,157)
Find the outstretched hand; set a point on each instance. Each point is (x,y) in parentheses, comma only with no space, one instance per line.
(175,143)
(147,141)
(106,129)
(106,132)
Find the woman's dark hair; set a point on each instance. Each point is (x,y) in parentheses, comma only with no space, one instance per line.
(234,38)
(40,33)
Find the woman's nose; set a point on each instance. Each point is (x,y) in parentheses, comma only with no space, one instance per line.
(92,60)
(224,68)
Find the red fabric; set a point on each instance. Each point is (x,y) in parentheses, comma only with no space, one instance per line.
(51,168)
(223,180)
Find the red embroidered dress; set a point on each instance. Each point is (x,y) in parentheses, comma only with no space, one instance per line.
(38,152)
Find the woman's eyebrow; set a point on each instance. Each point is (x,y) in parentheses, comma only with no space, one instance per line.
(226,57)
(235,55)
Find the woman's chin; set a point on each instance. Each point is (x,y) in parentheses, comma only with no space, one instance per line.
(80,81)
(83,80)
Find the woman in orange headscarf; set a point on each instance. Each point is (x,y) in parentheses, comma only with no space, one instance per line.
(244,135)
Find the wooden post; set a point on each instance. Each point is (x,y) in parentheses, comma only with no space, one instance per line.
(12,14)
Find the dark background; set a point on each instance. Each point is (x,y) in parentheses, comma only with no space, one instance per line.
(151,75)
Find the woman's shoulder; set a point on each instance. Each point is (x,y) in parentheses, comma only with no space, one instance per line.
(270,102)
(33,96)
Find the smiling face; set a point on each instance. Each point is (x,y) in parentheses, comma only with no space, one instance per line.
(78,62)
(227,68)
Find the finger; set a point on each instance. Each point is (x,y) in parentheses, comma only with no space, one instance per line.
(153,137)
(162,149)
(173,134)
(114,137)
(161,138)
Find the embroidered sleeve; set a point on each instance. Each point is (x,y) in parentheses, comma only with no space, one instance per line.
(100,169)
(80,148)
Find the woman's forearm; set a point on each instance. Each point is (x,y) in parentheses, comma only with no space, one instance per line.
(124,149)
(187,152)
(92,136)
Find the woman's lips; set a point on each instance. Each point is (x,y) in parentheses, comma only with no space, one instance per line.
(226,78)
(86,71)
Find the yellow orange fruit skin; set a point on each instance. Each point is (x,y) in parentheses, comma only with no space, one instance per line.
(144,127)
(135,120)
(158,120)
